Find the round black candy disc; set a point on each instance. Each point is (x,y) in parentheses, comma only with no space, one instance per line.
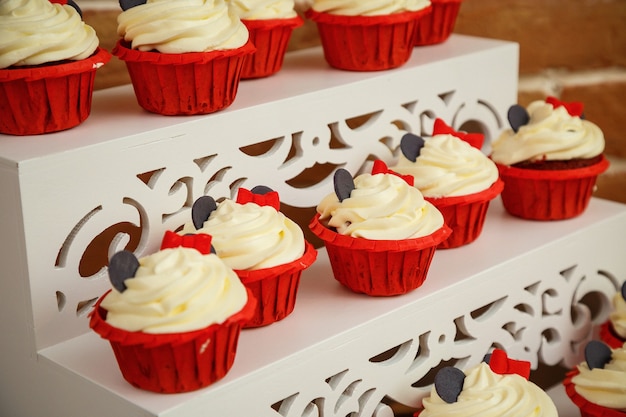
(449,383)
(201,210)
(344,184)
(123,265)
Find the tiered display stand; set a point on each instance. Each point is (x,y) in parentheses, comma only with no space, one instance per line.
(71,199)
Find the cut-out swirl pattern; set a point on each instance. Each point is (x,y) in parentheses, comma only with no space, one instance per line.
(160,199)
(545,321)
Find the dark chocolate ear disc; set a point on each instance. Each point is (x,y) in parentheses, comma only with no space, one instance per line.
(122,266)
(129,4)
(597,354)
(624,290)
(201,210)
(344,184)
(449,383)
(261,190)
(487,358)
(75,6)
(518,116)
(411,145)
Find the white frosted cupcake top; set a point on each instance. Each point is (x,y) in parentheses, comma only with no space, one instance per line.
(34,32)
(488,394)
(249,236)
(448,166)
(382,206)
(263,9)
(550,133)
(368,7)
(176,290)
(179,26)
(605,386)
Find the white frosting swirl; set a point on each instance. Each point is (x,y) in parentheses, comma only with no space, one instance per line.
(618,315)
(368,8)
(249,236)
(175,27)
(487,394)
(448,166)
(604,386)
(551,134)
(381,207)
(263,9)
(176,290)
(34,32)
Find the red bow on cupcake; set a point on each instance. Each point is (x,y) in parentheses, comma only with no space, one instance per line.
(474,139)
(574,108)
(199,241)
(500,363)
(381,168)
(269,198)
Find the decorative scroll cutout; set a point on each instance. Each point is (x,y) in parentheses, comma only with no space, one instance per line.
(61,300)
(544,320)
(84,307)
(61,260)
(298,165)
(345,396)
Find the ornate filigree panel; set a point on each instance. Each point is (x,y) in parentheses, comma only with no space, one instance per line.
(546,320)
(298,165)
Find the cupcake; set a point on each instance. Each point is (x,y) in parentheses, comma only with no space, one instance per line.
(367,36)
(48,64)
(173,318)
(182,57)
(549,160)
(270,24)
(437,26)
(613,331)
(379,232)
(498,386)
(455,176)
(598,385)
(266,249)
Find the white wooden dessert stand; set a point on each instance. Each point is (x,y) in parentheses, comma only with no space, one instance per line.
(123,177)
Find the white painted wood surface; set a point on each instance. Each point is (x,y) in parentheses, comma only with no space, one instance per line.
(525,286)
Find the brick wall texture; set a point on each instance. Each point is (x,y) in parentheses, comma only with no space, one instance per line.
(572,49)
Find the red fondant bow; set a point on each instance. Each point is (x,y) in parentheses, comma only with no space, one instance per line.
(501,364)
(574,108)
(199,241)
(474,139)
(381,168)
(268,199)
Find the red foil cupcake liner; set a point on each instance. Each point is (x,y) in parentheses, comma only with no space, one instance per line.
(437,27)
(465,215)
(184,84)
(275,289)
(379,267)
(548,195)
(48,98)
(587,409)
(608,335)
(367,43)
(174,362)
(270,38)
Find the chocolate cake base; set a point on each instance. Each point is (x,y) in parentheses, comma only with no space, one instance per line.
(558,165)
